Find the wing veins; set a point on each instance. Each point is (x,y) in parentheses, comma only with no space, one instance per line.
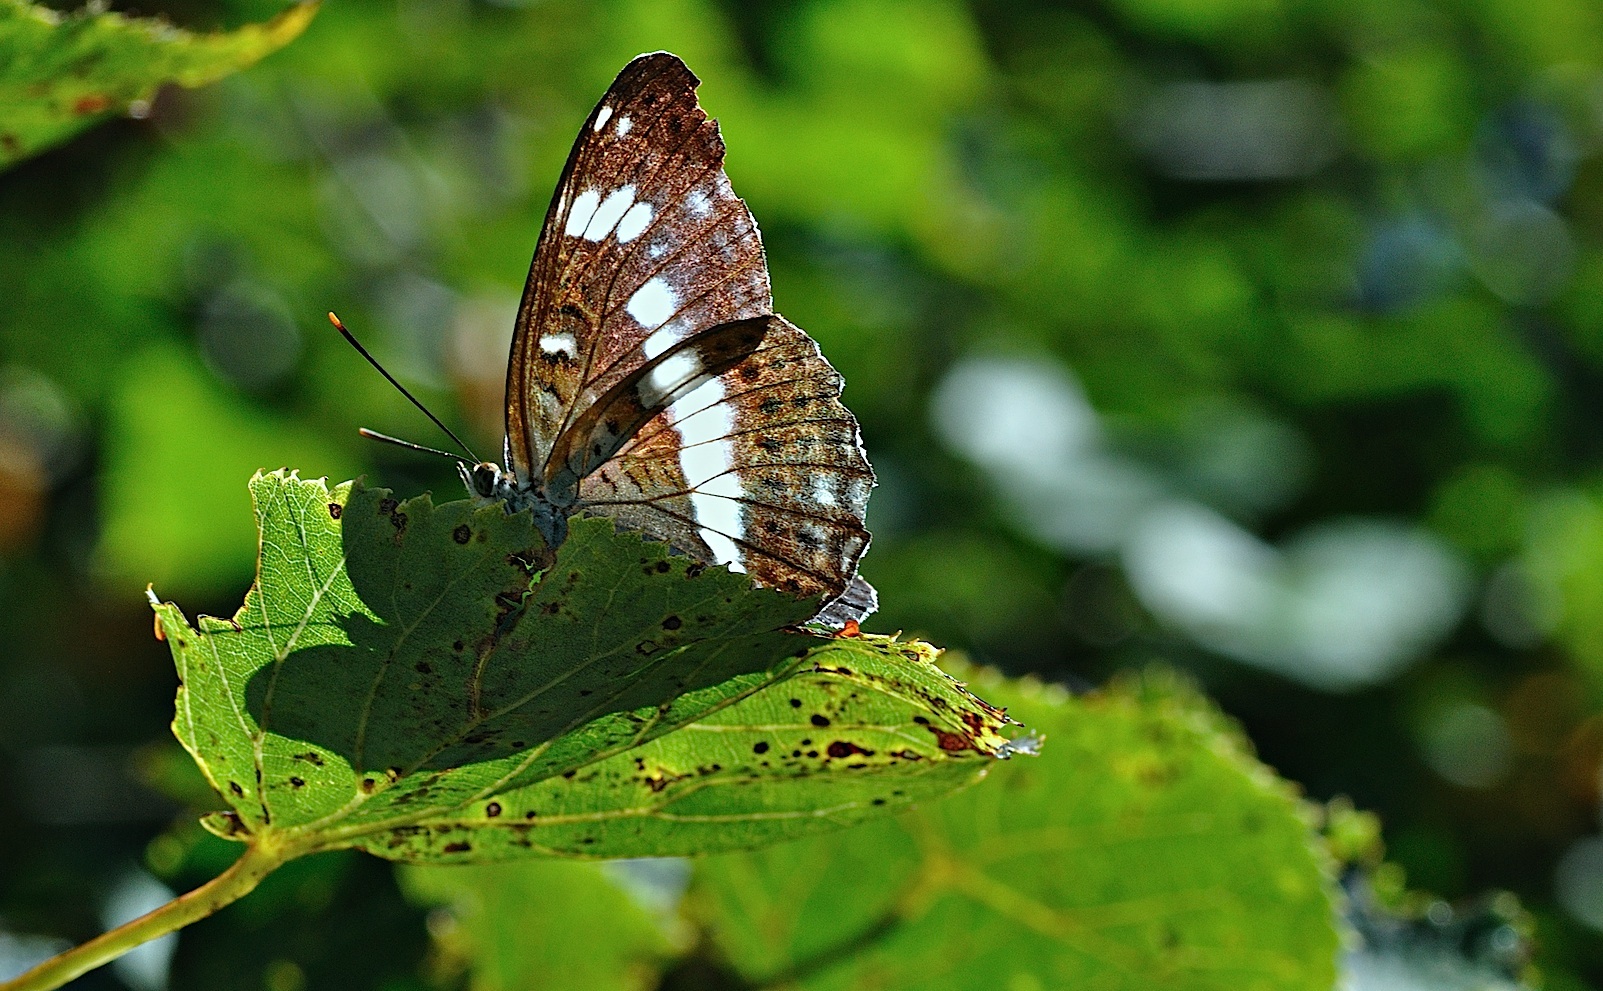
(585,375)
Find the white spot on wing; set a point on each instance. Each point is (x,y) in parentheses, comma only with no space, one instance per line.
(707,459)
(857,495)
(558,344)
(653,303)
(704,449)
(603,117)
(697,203)
(724,550)
(624,124)
(635,221)
(584,207)
(824,490)
(668,376)
(608,213)
(662,339)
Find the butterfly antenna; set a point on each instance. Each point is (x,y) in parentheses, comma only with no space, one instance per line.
(351,339)
(398,442)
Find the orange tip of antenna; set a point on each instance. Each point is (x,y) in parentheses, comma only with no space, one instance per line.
(335,320)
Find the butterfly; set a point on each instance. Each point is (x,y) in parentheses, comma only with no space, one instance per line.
(650,379)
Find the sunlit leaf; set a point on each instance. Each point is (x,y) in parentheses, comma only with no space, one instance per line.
(394,682)
(59,73)
(870,727)
(1144,849)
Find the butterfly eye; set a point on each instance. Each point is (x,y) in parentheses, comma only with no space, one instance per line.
(485,478)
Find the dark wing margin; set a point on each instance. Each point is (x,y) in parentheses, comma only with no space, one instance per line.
(761,469)
(645,244)
(854,605)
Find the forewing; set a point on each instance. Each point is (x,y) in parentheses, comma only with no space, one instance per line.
(644,245)
(760,468)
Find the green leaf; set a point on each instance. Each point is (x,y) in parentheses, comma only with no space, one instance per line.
(394,671)
(517,926)
(872,727)
(1144,849)
(60,73)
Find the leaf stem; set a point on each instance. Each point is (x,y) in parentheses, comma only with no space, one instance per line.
(258,861)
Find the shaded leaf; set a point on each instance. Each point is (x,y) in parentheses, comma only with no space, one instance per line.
(872,727)
(1145,848)
(59,73)
(399,664)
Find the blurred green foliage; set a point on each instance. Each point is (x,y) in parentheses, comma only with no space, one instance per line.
(59,74)
(1259,337)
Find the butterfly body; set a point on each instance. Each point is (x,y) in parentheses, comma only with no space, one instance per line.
(650,379)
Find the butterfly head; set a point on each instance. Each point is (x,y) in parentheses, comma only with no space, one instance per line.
(484,480)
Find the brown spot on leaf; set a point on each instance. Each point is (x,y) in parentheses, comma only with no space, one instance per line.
(493,809)
(462,534)
(819,720)
(234,787)
(845,748)
(90,103)
(334,510)
(295,782)
(951,742)
(760,747)
(460,846)
(672,623)
(387,506)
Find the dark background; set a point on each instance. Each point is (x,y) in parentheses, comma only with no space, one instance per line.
(1263,338)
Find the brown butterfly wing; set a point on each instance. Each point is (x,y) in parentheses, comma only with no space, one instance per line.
(644,245)
(759,468)
(621,395)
